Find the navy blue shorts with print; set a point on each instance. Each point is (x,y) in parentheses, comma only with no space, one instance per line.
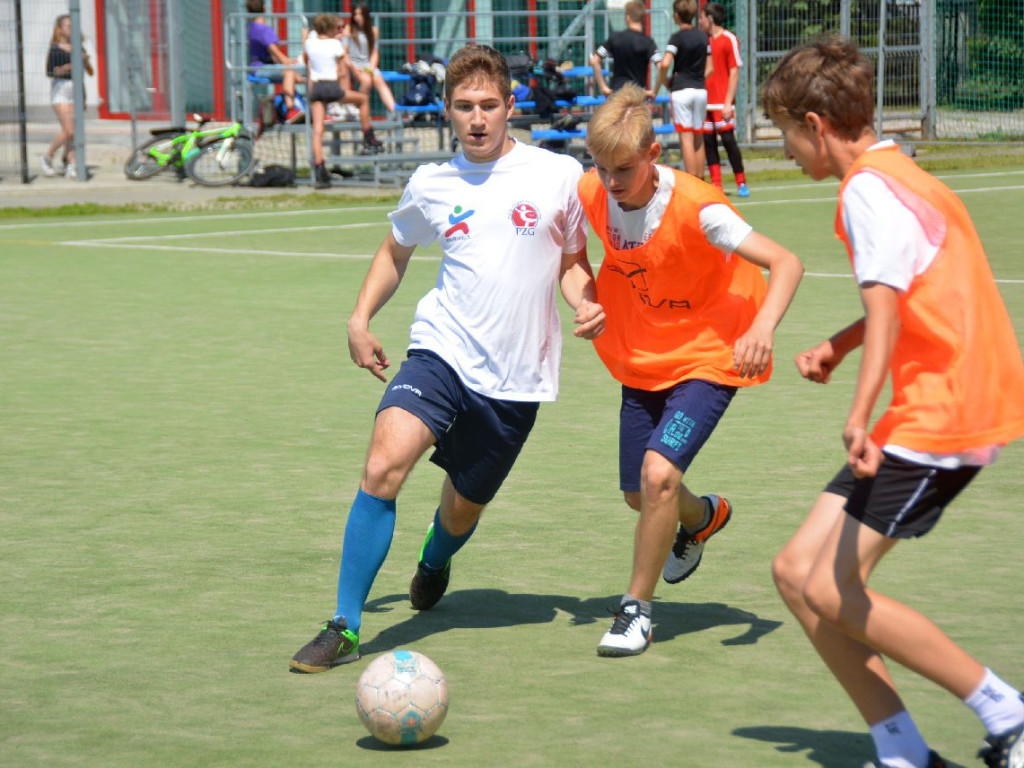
(478,438)
(903,499)
(674,422)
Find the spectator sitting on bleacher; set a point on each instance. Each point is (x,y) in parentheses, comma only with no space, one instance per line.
(360,40)
(329,77)
(630,50)
(267,54)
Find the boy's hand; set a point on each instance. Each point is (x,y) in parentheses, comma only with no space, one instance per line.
(863,456)
(366,352)
(817,363)
(752,352)
(590,319)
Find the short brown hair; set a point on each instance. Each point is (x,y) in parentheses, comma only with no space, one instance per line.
(685,10)
(635,10)
(828,76)
(622,124)
(477,62)
(326,24)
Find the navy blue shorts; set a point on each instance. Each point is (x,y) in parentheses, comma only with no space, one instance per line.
(903,500)
(478,438)
(675,422)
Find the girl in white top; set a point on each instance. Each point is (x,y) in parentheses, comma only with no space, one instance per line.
(360,38)
(329,81)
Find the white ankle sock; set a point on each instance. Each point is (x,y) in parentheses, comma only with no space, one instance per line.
(997,704)
(898,742)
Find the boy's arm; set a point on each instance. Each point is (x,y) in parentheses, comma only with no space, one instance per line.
(598,64)
(381,282)
(881,329)
(663,69)
(817,363)
(576,281)
(278,54)
(730,93)
(753,350)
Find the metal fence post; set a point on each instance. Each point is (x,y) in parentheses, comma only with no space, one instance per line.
(22,127)
(78,88)
(176,66)
(880,75)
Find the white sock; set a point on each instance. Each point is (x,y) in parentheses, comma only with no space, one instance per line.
(645,605)
(997,704)
(898,742)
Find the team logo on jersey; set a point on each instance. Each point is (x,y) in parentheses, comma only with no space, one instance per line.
(524,218)
(459,229)
(637,276)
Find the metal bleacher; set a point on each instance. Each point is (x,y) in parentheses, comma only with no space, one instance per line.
(411,135)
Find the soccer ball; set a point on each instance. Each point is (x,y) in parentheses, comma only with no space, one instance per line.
(402,697)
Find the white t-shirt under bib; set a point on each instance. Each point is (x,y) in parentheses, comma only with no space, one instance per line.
(723,228)
(503,227)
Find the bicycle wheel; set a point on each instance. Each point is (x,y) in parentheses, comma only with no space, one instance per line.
(222,162)
(142,164)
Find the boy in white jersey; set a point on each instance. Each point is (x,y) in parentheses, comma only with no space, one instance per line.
(485,341)
(689,321)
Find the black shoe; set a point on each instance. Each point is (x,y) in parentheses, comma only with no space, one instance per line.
(321,178)
(1005,751)
(335,644)
(371,143)
(426,589)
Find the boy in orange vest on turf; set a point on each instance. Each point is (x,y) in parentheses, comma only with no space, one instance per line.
(689,320)
(935,323)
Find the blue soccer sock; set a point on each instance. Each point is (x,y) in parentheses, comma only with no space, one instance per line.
(368,534)
(442,545)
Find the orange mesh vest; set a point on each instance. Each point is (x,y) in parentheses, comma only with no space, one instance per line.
(676,304)
(957,374)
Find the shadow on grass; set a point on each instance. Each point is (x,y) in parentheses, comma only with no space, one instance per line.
(371,744)
(827,748)
(492,608)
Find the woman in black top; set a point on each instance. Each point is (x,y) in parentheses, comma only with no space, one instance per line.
(62,99)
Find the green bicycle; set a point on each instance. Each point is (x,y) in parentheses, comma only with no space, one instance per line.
(213,157)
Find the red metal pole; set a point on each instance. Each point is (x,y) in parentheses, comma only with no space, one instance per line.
(217,59)
(531,27)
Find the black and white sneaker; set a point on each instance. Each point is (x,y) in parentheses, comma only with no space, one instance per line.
(689,548)
(1004,751)
(630,634)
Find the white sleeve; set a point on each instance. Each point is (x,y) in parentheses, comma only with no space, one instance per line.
(575,218)
(409,224)
(723,227)
(889,245)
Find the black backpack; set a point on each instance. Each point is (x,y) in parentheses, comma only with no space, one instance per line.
(274,176)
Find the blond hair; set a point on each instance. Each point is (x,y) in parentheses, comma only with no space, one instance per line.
(622,124)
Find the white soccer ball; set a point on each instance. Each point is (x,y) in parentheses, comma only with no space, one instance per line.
(402,697)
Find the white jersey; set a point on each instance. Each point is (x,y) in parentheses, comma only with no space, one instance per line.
(503,227)
(323,54)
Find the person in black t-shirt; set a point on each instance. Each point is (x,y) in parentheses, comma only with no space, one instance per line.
(62,97)
(630,50)
(686,55)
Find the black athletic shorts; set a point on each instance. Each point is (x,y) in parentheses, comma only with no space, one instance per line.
(326,91)
(903,500)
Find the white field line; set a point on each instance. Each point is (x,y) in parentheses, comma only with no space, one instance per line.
(205,217)
(241,251)
(133,242)
(223,233)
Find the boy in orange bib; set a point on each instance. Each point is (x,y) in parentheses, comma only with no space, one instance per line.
(935,324)
(689,320)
